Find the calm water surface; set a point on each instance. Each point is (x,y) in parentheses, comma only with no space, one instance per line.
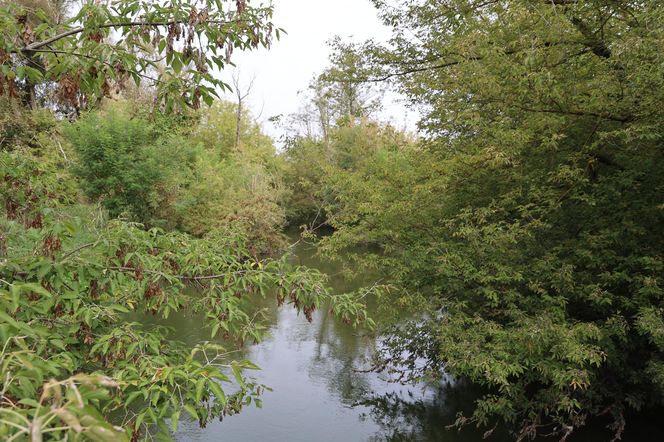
(319,395)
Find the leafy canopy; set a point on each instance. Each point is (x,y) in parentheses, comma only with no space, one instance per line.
(529,220)
(174,46)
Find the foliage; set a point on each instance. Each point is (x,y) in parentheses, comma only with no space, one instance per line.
(216,131)
(22,129)
(77,361)
(339,98)
(236,185)
(334,129)
(76,365)
(182,171)
(74,61)
(306,161)
(314,165)
(530,217)
(128,163)
(234,192)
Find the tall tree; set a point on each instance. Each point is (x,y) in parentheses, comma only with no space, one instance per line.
(532,230)
(241,95)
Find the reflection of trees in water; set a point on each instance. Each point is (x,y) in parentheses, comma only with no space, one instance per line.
(339,349)
(413,414)
(405,418)
(401,415)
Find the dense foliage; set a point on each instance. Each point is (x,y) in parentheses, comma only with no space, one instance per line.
(74,287)
(126,212)
(529,221)
(336,129)
(181,172)
(314,163)
(52,52)
(522,231)
(130,164)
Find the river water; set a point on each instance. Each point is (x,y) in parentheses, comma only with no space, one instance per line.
(319,395)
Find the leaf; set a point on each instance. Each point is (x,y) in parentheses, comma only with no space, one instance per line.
(218,391)
(58,343)
(192,411)
(176,64)
(175,419)
(29,402)
(200,385)
(237,372)
(104,434)
(215,329)
(31,287)
(132,397)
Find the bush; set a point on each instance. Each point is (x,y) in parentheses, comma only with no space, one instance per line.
(170,173)
(126,163)
(20,128)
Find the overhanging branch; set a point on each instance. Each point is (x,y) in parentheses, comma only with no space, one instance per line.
(40,44)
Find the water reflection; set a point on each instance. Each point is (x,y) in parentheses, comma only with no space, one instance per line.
(320,395)
(317,392)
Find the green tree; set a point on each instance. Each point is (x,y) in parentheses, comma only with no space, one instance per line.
(335,128)
(129,164)
(531,227)
(235,183)
(76,60)
(75,365)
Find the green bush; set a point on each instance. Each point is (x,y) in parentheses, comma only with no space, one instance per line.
(20,128)
(235,192)
(182,173)
(127,163)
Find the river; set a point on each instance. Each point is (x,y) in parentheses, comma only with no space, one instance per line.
(318,393)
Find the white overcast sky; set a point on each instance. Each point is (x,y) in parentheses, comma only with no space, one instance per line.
(292,61)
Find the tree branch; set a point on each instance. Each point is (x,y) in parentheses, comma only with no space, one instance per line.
(595,44)
(604,116)
(416,70)
(180,277)
(90,57)
(33,46)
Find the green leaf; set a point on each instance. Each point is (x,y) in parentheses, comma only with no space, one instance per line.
(237,372)
(200,385)
(175,419)
(192,411)
(218,391)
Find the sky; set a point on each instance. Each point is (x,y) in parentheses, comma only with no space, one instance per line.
(289,65)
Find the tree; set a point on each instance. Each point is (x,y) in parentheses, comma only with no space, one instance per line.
(530,236)
(241,97)
(334,128)
(75,365)
(131,165)
(75,61)
(347,99)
